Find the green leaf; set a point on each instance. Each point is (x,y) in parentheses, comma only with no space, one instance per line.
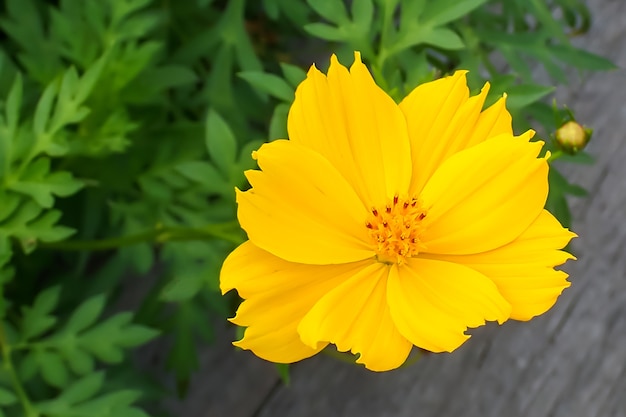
(68,109)
(234,33)
(28,367)
(245,163)
(29,225)
(83,389)
(115,404)
(331,10)
(11,202)
(182,287)
(556,204)
(205,174)
(136,335)
(518,62)
(271,9)
(441,12)
(520,96)
(324,31)
(112,404)
(80,362)
(411,11)
(278,122)
(183,357)
(443,38)
(86,314)
(89,79)
(37,319)
(270,84)
(362,14)
(14,104)
(69,83)
(156,80)
(106,339)
(220,142)
(579,58)
(579,158)
(7,397)
(43,109)
(544,14)
(562,185)
(37,182)
(293,74)
(52,368)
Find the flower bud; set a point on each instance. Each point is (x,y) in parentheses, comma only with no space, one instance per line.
(572,137)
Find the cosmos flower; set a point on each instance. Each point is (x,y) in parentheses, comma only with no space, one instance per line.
(378,227)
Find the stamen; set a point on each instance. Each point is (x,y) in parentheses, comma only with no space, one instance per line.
(396,231)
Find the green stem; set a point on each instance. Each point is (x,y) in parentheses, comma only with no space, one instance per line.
(384,33)
(555,155)
(159,234)
(29,410)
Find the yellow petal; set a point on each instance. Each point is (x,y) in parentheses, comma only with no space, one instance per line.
(355,317)
(356,126)
(301,209)
(433,302)
(494,121)
(429,110)
(485,196)
(523,269)
(277,295)
(442,121)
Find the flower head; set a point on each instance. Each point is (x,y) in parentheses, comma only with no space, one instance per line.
(378,227)
(572,137)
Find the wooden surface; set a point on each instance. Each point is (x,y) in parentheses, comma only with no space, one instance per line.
(569,362)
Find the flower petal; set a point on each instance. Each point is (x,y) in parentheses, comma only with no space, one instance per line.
(523,270)
(356,126)
(442,121)
(301,209)
(485,196)
(428,111)
(433,302)
(277,295)
(494,121)
(355,317)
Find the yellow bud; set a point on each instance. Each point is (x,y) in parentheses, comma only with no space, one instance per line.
(572,137)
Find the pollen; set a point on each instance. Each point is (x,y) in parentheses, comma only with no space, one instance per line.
(395,230)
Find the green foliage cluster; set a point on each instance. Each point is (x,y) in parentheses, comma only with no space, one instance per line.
(125,126)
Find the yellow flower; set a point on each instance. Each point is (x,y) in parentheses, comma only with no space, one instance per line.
(379,226)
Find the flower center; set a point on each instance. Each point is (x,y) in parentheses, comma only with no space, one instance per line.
(395,230)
